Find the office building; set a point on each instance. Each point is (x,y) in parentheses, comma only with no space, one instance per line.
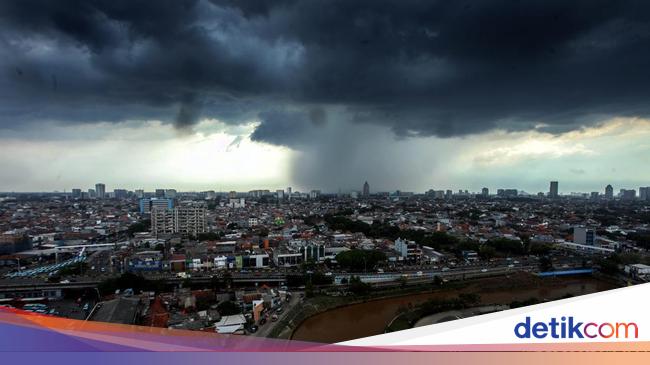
(366,189)
(314,194)
(280,194)
(485,192)
(553,190)
(100,191)
(584,236)
(609,192)
(160,193)
(407,250)
(148,204)
(627,194)
(507,193)
(644,193)
(76,193)
(139,193)
(170,193)
(120,193)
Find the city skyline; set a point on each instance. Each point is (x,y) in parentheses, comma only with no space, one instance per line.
(640,191)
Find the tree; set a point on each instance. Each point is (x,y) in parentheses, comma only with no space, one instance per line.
(487,252)
(228,308)
(437,281)
(358,287)
(402,281)
(545,264)
(360,260)
(309,289)
(141,226)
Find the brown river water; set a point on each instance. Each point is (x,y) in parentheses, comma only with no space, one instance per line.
(371,318)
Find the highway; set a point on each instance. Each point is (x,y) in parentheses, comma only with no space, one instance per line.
(377,279)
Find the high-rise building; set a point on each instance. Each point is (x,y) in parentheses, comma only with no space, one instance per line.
(644,193)
(628,194)
(280,194)
(120,193)
(553,190)
(147,205)
(609,192)
(100,191)
(76,193)
(170,193)
(139,193)
(314,194)
(485,192)
(366,189)
(187,219)
(584,236)
(160,193)
(92,193)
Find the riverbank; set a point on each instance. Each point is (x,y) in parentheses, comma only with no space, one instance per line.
(346,321)
(285,328)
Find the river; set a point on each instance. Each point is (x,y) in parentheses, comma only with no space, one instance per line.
(370,318)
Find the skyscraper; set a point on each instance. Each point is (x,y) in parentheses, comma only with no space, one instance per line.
(485,192)
(609,192)
(553,191)
(100,190)
(366,189)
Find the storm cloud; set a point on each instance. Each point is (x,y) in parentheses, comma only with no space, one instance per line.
(417,68)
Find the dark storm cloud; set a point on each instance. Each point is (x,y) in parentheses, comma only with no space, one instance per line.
(420,68)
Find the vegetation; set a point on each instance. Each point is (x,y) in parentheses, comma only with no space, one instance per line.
(524,303)
(360,260)
(409,316)
(228,308)
(142,226)
(358,287)
(545,264)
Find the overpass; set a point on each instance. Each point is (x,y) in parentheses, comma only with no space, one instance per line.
(10,287)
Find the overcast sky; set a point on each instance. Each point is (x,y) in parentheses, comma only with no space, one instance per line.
(410,95)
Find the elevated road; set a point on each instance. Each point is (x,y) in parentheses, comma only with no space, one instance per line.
(378,279)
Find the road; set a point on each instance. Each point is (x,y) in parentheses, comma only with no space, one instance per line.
(265,329)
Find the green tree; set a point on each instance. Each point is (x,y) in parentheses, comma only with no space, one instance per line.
(228,308)
(360,260)
(358,287)
(545,264)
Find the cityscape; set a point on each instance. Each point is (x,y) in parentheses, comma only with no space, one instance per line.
(295,265)
(327,178)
